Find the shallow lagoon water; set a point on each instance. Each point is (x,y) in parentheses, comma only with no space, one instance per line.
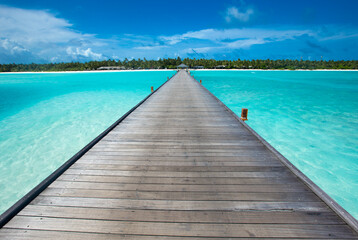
(45,118)
(311,117)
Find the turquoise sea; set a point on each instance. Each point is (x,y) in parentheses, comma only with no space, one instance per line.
(45,118)
(311,117)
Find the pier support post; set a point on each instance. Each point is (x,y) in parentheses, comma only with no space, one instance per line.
(244,114)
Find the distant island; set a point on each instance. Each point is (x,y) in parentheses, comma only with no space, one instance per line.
(173,63)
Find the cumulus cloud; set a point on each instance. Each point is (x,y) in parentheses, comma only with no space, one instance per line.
(234,13)
(11,47)
(11,52)
(43,35)
(34,26)
(78,53)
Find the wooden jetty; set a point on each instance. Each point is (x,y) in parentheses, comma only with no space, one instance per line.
(181,165)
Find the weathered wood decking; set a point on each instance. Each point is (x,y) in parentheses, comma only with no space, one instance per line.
(181,166)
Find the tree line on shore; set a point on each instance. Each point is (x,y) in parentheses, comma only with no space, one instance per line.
(172,63)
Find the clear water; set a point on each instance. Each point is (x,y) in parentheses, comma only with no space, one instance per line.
(311,117)
(45,118)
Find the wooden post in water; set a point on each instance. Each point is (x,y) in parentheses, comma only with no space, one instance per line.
(151,89)
(244,114)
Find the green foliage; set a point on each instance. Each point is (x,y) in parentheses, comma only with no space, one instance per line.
(172,63)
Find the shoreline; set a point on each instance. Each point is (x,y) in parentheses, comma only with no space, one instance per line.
(162,70)
(273,70)
(97,71)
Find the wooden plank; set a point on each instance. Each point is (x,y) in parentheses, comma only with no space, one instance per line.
(185,158)
(20,234)
(116,151)
(85,162)
(180,154)
(181,205)
(175,168)
(180,174)
(274,217)
(295,187)
(182,195)
(176,180)
(181,229)
(184,135)
(174,146)
(171,145)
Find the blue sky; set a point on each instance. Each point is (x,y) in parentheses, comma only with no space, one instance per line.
(55,31)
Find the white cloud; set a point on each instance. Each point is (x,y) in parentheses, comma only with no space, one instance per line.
(340,36)
(42,34)
(78,53)
(35,26)
(11,52)
(224,42)
(242,35)
(234,13)
(239,44)
(11,46)
(157,47)
(245,43)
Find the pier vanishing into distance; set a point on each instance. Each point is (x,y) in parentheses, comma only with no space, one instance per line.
(180,165)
